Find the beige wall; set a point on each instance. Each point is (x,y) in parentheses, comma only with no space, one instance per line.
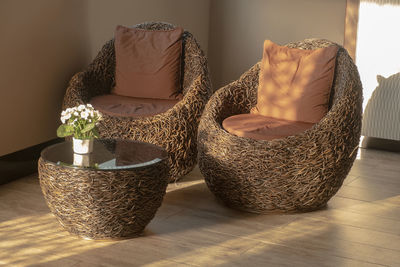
(104,15)
(44,42)
(239,27)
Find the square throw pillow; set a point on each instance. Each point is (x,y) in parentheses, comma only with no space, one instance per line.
(295,84)
(148,63)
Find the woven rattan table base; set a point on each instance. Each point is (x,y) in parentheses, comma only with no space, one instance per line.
(101,205)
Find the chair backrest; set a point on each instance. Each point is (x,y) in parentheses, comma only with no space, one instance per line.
(194,62)
(346,79)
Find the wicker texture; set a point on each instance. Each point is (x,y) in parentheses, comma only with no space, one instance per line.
(103,204)
(174,130)
(296,173)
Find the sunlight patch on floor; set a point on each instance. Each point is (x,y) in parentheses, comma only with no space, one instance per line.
(261,242)
(39,239)
(192,178)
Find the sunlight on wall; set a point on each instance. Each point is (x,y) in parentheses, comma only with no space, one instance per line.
(378,42)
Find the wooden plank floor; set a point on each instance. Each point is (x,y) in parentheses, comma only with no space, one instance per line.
(360,227)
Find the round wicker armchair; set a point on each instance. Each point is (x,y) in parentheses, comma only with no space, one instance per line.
(175,129)
(296,173)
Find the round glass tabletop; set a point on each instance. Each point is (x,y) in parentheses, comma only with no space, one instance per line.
(107,155)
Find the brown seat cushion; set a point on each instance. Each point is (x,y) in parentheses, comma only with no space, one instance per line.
(148,62)
(125,106)
(295,84)
(263,128)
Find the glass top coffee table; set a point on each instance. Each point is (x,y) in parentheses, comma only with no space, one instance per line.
(111,193)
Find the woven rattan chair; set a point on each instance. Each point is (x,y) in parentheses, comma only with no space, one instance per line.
(176,129)
(296,173)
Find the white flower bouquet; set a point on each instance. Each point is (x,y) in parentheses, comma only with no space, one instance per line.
(80,121)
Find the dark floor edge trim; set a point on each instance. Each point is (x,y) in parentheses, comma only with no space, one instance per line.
(23,162)
(381,144)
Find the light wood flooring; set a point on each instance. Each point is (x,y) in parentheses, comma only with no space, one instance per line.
(360,227)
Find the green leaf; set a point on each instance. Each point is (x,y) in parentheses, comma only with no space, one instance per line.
(65,130)
(88,127)
(96,132)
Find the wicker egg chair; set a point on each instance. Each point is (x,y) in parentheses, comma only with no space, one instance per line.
(296,173)
(175,129)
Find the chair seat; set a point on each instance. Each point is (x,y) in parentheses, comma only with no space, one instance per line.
(263,128)
(124,106)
